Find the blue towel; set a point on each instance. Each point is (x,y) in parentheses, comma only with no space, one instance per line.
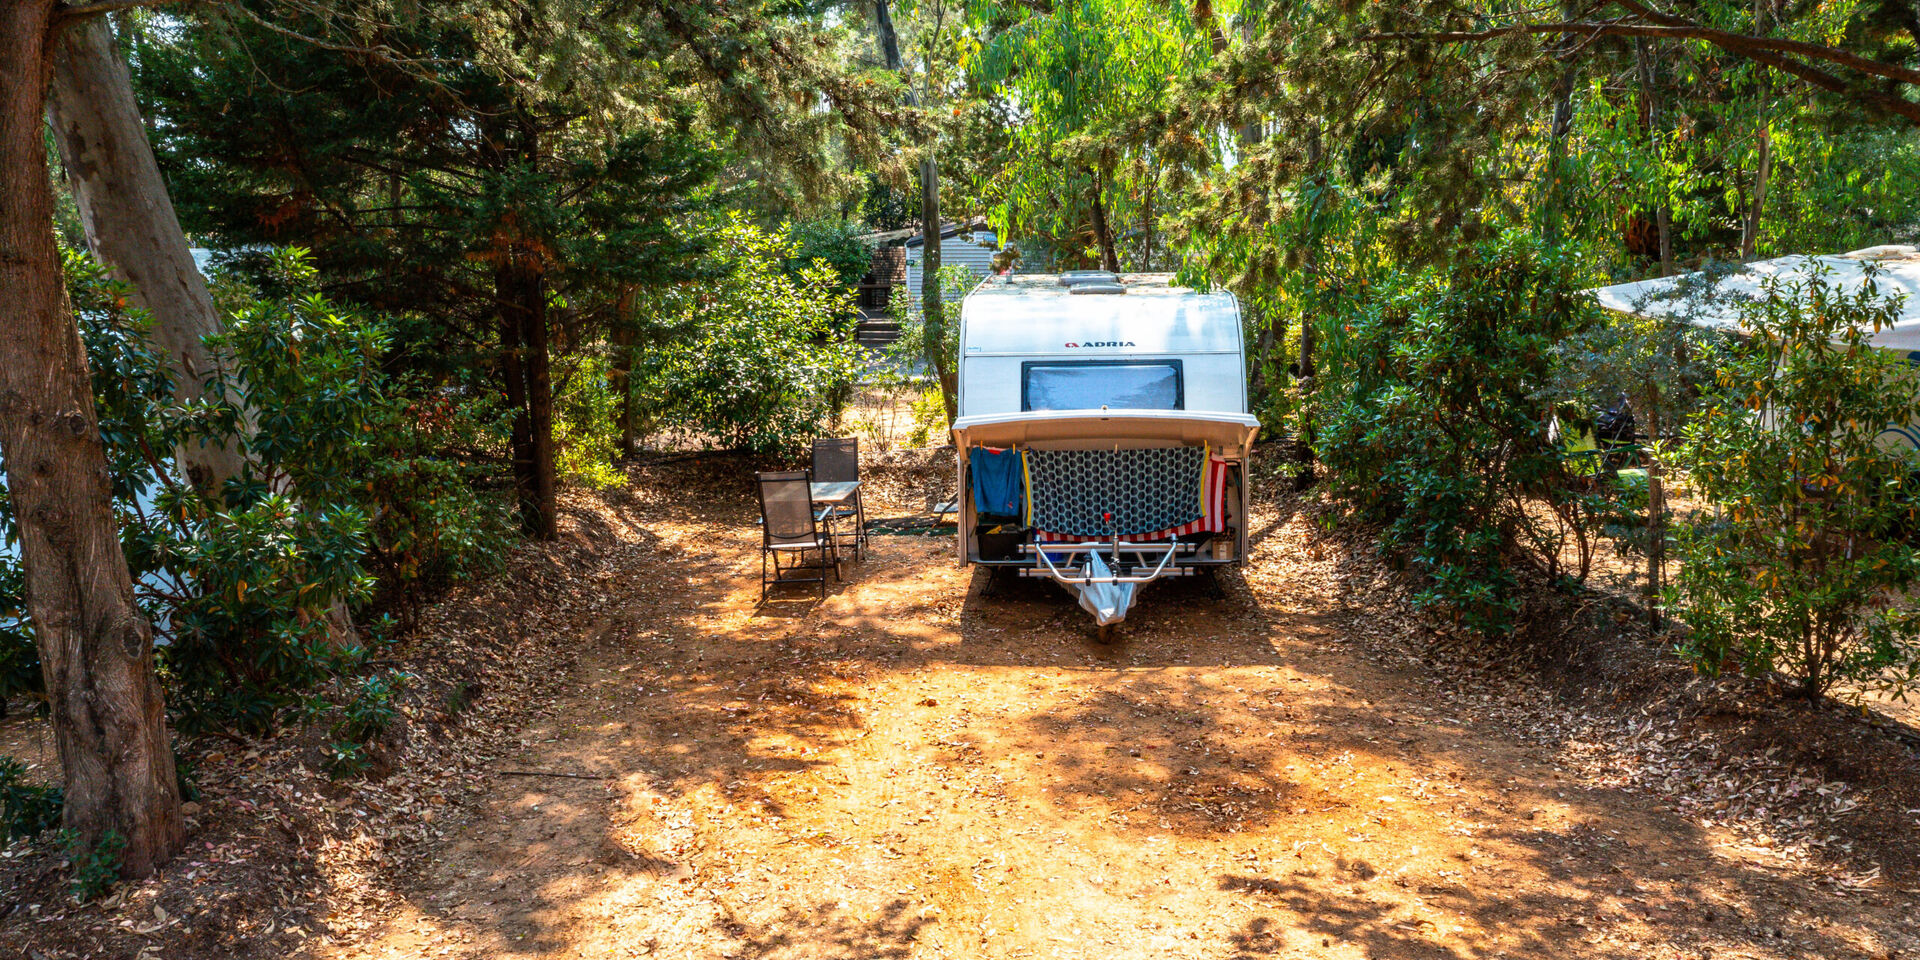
(999,483)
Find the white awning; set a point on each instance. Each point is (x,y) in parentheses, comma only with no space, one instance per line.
(1897,276)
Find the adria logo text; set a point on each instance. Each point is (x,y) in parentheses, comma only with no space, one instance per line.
(1104,343)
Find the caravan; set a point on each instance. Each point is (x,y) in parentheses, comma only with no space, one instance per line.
(1103,432)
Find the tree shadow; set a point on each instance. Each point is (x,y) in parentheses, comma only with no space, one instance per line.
(824,931)
(1221,721)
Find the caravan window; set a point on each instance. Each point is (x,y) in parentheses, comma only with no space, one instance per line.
(1092,384)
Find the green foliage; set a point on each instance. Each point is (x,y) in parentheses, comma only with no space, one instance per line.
(920,342)
(1800,568)
(371,709)
(1088,76)
(929,418)
(95,868)
(368,712)
(584,427)
(19,663)
(755,358)
(1433,423)
(345,481)
(835,243)
(26,809)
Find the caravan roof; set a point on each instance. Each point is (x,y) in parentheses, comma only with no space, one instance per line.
(1089,354)
(1039,315)
(1898,275)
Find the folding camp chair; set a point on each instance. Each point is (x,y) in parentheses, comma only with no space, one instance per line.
(838,461)
(789,527)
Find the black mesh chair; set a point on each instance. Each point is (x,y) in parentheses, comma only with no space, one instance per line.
(790,528)
(838,461)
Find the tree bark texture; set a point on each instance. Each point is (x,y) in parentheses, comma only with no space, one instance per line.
(1756,210)
(130,222)
(620,370)
(1103,231)
(1650,109)
(520,298)
(932,306)
(522,315)
(96,650)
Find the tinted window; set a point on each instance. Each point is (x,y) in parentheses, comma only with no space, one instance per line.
(1091,385)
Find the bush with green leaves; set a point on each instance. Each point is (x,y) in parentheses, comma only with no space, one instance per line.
(835,243)
(344,490)
(754,358)
(1433,423)
(585,436)
(19,664)
(94,869)
(1802,568)
(26,809)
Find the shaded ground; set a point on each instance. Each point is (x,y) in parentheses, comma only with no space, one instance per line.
(916,769)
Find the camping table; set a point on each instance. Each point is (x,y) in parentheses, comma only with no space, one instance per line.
(841,493)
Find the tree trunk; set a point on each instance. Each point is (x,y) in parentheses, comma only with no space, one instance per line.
(1649,91)
(130,223)
(1102,231)
(889,41)
(620,371)
(533,313)
(1750,236)
(96,651)
(1557,154)
(932,307)
(517,289)
(1656,516)
(1750,228)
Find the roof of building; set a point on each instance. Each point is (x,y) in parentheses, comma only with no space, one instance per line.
(908,235)
(1894,271)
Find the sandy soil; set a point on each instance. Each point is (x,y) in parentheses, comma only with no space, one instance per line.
(916,768)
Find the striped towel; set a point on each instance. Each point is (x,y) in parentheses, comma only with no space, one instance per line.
(1214,520)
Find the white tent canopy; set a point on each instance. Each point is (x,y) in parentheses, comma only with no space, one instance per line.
(1897,276)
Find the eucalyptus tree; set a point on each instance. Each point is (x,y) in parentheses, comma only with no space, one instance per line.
(95,647)
(1085,81)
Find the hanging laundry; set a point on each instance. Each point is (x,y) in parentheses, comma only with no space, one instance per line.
(999,483)
(1214,520)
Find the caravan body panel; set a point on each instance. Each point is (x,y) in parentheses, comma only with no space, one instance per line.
(1145,365)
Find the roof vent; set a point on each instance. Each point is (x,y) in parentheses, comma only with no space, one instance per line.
(1076,277)
(1080,288)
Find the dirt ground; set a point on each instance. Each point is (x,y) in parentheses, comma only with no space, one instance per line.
(917,768)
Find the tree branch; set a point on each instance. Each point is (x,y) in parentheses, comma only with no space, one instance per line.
(63,15)
(1766,50)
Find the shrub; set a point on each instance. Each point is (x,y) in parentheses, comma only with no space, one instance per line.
(834,243)
(1433,423)
(584,431)
(95,868)
(755,358)
(247,589)
(1801,568)
(19,664)
(25,809)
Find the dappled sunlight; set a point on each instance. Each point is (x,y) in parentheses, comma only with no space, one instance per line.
(931,764)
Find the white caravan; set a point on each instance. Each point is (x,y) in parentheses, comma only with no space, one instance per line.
(1103,433)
